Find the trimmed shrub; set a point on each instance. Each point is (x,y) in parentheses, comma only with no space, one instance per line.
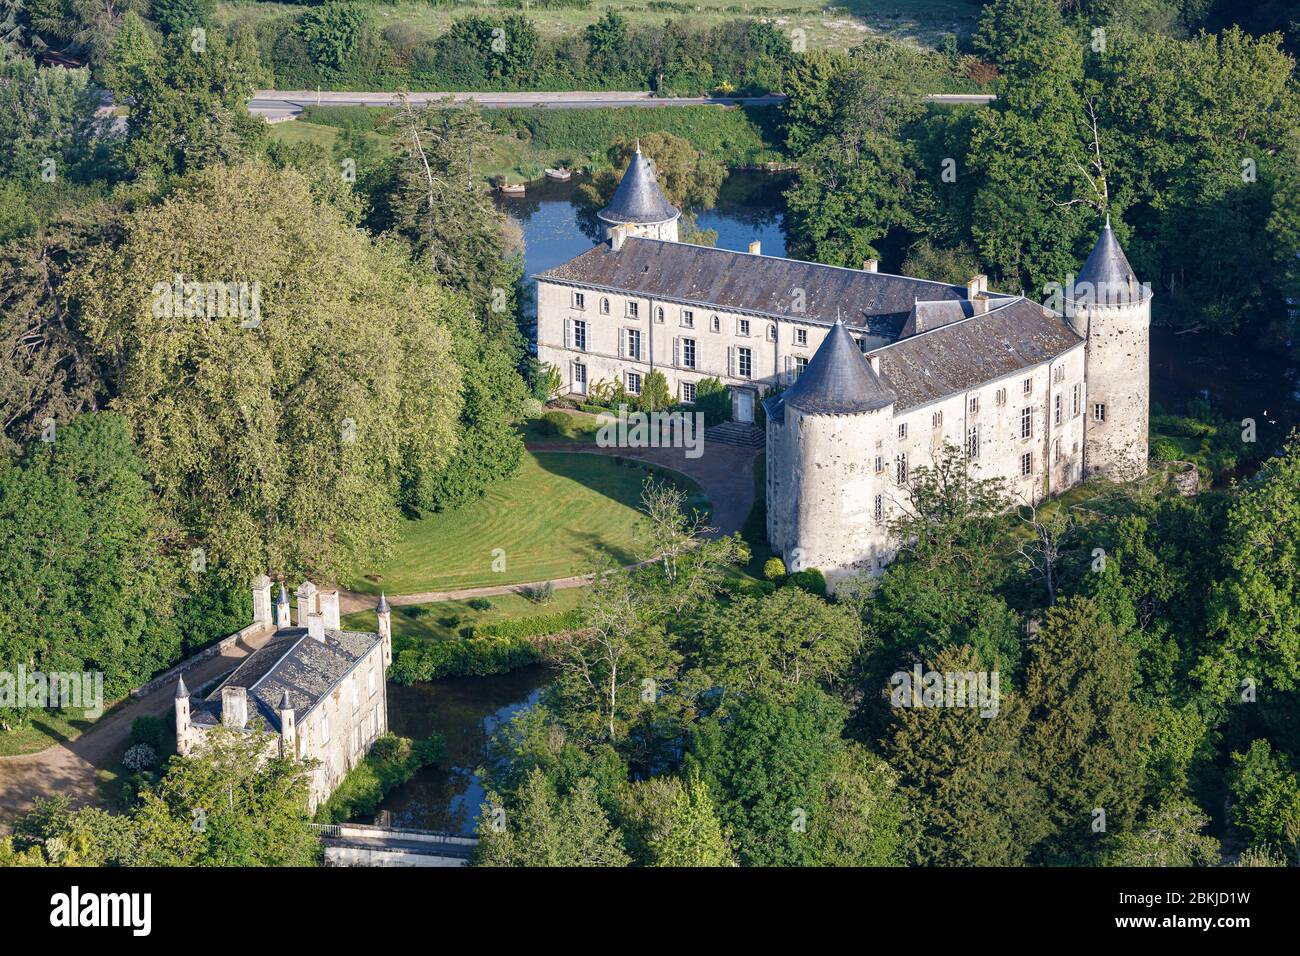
(810,580)
(774,569)
(481,604)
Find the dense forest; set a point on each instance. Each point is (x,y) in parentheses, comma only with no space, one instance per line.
(226,356)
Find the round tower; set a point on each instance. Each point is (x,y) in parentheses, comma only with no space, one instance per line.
(1112,311)
(639,205)
(826,500)
(182,704)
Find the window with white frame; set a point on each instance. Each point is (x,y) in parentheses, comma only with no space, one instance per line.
(1058,374)
(973,442)
(633,308)
(880,463)
(744,362)
(901,473)
(604,306)
(1000,397)
(800,365)
(1026,422)
(634,383)
(1074,402)
(1057,406)
(659,314)
(771,332)
(936,420)
(688,392)
(1029,386)
(742,326)
(974,404)
(1056,450)
(580,335)
(1099,412)
(880,507)
(688,318)
(634,343)
(902,429)
(1026,464)
(579,300)
(715,324)
(688,353)
(800,336)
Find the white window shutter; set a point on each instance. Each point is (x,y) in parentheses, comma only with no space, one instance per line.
(622,340)
(677,350)
(731,360)
(568,333)
(789,369)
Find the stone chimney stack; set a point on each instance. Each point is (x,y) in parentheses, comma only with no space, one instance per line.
(316,627)
(307,603)
(282,618)
(262,600)
(234,707)
(870,265)
(616,236)
(756,248)
(874,359)
(329,609)
(977,288)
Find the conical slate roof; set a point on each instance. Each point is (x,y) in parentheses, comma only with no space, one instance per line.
(1107,278)
(638,198)
(182,692)
(838,380)
(382,607)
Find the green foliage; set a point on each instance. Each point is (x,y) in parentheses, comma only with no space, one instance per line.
(46,114)
(332,32)
(1170,836)
(544,829)
(179,16)
(391,762)
(479,656)
(655,395)
(810,580)
(82,543)
(692,834)
(713,401)
(1266,799)
(773,569)
(148,730)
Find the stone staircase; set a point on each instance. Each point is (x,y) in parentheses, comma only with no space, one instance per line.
(736,433)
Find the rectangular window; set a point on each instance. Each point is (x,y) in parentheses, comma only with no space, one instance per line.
(1026,422)
(579,300)
(1056,450)
(973,442)
(1056,410)
(745,362)
(604,306)
(902,429)
(633,308)
(1029,386)
(580,335)
(936,420)
(633,343)
(715,324)
(1099,412)
(800,365)
(634,383)
(1000,397)
(688,392)
(742,326)
(901,473)
(1058,374)
(880,507)
(688,353)
(1074,402)
(880,463)
(688,318)
(1026,464)
(800,336)
(974,404)
(771,333)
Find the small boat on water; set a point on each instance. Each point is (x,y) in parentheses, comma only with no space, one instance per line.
(560,175)
(511,189)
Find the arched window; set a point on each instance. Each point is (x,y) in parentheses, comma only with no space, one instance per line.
(604,306)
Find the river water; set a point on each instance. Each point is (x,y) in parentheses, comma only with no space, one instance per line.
(1237,378)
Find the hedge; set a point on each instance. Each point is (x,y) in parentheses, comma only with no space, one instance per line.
(489,649)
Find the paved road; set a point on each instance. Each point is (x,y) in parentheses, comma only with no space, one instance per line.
(280,104)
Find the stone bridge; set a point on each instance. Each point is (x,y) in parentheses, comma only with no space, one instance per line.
(358,844)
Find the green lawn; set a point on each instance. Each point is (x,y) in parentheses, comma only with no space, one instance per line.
(549,521)
(443,621)
(47,727)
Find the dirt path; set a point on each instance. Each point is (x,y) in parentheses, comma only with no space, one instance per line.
(69,768)
(725,473)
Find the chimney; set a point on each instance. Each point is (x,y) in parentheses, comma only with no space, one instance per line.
(234,707)
(616,236)
(756,248)
(874,359)
(262,600)
(282,608)
(870,265)
(316,627)
(977,288)
(329,609)
(307,604)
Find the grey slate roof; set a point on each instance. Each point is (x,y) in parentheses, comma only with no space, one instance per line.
(931,315)
(838,381)
(181,690)
(382,607)
(871,302)
(1107,278)
(960,356)
(290,670)
(638,198)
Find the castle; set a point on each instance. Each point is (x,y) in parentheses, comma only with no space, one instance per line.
(861,376)
(318,690)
